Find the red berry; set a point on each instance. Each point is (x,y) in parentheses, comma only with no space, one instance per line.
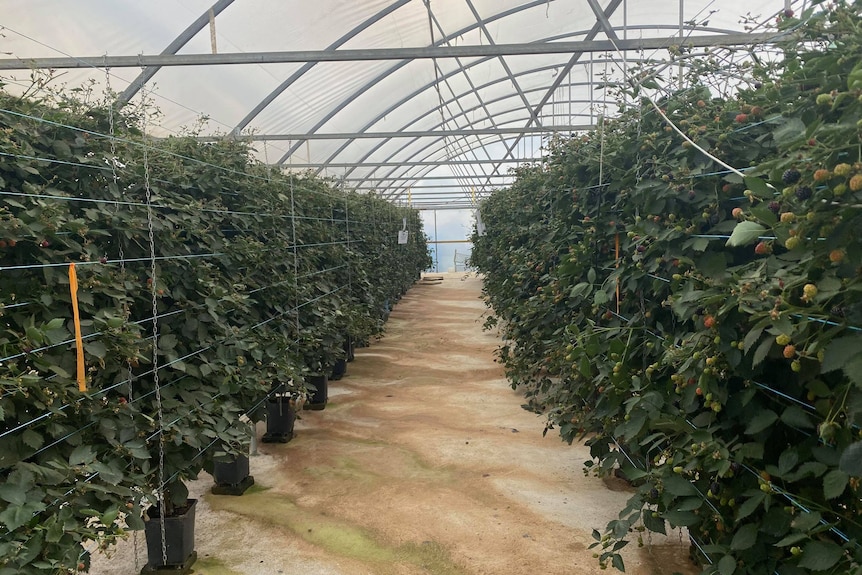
(761,249)
(741,118)
(103,260)
(44,244)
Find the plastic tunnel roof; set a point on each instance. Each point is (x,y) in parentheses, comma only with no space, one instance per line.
(427,100)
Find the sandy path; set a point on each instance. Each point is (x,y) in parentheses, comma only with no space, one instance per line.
(423,462)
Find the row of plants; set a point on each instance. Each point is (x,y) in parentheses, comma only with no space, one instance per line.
(699,324)
(206,280)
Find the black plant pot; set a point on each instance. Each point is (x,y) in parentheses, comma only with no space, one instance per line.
(338,370)
(179,540)
(350,348)
(318,399)
(232,477)
(280,418)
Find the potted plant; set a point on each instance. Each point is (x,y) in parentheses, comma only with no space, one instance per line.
(280,415)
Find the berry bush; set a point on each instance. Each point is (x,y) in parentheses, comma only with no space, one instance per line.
(699,324)
(254,277)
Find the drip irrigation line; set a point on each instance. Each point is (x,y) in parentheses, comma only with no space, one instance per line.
(828,322)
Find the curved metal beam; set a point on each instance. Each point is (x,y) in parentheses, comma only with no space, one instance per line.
(428,112)
(386,73)
(309,65)
(172,48)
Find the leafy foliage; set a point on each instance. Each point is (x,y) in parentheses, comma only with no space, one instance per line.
(259,277)
(700,329)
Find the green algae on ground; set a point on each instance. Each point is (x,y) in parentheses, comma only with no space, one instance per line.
(333,535)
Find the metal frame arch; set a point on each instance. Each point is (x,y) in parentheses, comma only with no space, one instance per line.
(190,32)
(270,98)
(386,73)
(588,35)
(422,89)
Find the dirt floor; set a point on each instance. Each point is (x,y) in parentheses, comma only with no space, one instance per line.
(422,462)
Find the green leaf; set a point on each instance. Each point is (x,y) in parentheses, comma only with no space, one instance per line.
(761,352)
(745,537)
(16,516)
(788,131)
(795,416)
(81,455)
(34,335)
(32,439)
(745,233)
(14,494)
(759,186)
(787,461)
(791,539)
(96,348)
(727,565)
(851,460)
(600,297)
(134,520)
(654,524)
(806,521)
(751,338)
(839,351)
(761,421)
(750,505)
(167,342)
(834,483)
(820,555)
(681,518)
(678,486)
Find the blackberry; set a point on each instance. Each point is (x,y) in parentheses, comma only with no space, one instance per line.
(715,488)
(714,219)
(803,192)
(837,311)
(774,207)
(653,494)
(790,176)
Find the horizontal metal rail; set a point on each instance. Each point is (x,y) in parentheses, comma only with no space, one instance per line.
(377,54)
(515,130)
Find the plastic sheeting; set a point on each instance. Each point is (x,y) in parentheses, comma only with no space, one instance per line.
(392,95)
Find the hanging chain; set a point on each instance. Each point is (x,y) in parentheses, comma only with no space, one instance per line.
(160,492)
(295,254)
(120,253)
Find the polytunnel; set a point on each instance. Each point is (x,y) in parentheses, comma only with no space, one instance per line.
(228,345)
(431,100)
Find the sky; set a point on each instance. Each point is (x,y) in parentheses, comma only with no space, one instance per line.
(451,225)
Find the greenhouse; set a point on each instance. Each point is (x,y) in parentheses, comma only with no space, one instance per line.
(450,287)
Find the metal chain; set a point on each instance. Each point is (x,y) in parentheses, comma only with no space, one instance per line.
(295,253)
(160,492)
(126,311)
